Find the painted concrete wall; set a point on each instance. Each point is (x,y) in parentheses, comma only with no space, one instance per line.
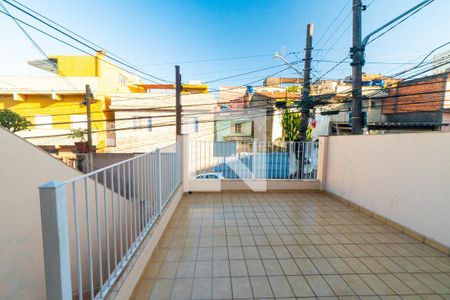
(197,107)
(22,168)
(402,177)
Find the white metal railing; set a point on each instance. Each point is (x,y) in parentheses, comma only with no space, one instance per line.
(102,217)
(254,160)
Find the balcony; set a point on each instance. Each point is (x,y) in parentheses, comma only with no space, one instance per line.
(345,217)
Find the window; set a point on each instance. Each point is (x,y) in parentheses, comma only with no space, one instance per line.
(149,124)
(195,125)
(135,122)
(122,80)
(43,121)
(78,121)
(238,128)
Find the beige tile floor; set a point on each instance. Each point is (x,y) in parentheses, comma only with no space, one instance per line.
(246,245)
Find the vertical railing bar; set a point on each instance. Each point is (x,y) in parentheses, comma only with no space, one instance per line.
(306,160)
(126,203)
(108,265)
(145,216)
(302,152)
(114,220)
(178,164)
(172,167)
(139,209)
(88,223)
(243,161)
(140,212)
(144,195)
(158,177)
(211,158)
(99,233)
(120,215)
(134,196)
(77,241)
(277,161)
(131,202)
(154,213)
(138,203)
(152,188)
(282,160)
(272,160)
(197,158)
(238,158)
(311,160)
(297,159)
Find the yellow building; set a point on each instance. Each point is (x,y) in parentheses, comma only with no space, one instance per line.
(53,104)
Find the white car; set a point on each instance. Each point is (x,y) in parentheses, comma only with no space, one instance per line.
(210,176)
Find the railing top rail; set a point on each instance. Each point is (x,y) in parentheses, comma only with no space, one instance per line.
(115,165)
(106,168)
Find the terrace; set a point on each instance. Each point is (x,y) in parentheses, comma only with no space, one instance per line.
(336,218)
(286,245)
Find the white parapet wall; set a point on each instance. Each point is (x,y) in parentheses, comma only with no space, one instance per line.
(23,167)
(402,177)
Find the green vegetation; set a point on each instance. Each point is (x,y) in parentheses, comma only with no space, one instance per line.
(13,121)
(290,122)
(78,134)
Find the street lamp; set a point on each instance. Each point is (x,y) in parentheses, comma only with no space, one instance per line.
(290,65)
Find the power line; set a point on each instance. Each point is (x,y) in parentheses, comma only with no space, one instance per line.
(429,54)
(246,110)
(81,42)
(243,74)
(334,20)
(207,60)
(36,45)
(67,29)
(399,22)
(119,129)
(331,69)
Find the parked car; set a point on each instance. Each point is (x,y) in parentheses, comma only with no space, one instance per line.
(209,176)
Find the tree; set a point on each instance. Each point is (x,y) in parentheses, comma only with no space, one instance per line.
(290,121)
(13,121)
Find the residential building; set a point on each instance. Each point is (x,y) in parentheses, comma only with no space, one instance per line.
(254,110)
(421,104)
(126,114)
(54,103)
(418,104)
(146,121)
(232,120)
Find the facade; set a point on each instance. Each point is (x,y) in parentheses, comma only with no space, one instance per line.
(251,113)
(125,115)
(417,105)
(231,121)
(420,103)
(146,121)
(53,104)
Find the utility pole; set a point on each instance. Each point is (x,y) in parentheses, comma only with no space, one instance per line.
(356,53)
(305,103)
(87,102)
(178,106)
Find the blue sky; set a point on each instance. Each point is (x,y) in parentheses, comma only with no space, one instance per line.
(156,34)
